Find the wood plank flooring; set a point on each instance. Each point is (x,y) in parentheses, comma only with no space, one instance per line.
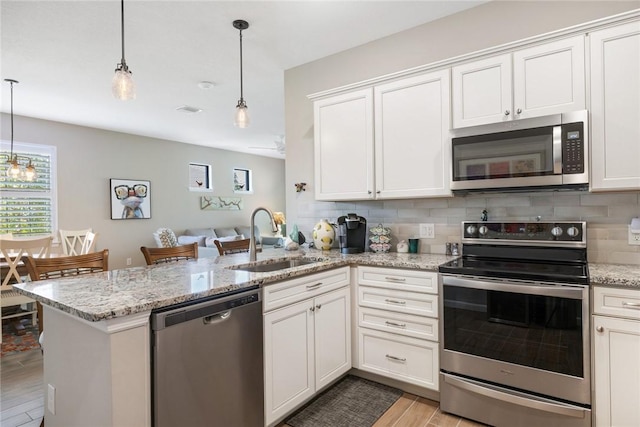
(22,399)
(21,389)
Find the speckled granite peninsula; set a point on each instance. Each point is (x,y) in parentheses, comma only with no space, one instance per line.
(119,293)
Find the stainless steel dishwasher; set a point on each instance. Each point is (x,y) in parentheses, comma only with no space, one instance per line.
(207,363)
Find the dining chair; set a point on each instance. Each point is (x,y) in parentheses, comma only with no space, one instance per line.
(14,252)
(176,253)
(73,241)
(73,265)
(232,246)
(89,244)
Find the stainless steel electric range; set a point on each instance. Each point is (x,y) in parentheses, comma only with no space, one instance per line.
(515,325)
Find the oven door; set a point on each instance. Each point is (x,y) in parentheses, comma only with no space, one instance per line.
(532,337)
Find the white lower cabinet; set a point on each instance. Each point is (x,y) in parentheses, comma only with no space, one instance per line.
(616,343)
(398,324)
(307,343)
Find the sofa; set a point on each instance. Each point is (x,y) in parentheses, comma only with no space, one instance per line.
(205,237)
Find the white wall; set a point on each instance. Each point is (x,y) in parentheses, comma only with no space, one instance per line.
(88,158)
(485,26)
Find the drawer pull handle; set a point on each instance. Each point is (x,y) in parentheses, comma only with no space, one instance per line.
(395,279)
(399,325)
(635,305)
(315,285)
(397,359)
(395,301)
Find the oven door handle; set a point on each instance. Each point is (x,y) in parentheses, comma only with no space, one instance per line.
(570,292)
(532,402)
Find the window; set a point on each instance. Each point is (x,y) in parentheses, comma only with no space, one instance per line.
(29,208)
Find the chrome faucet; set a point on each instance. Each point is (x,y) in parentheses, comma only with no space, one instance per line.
(252,242)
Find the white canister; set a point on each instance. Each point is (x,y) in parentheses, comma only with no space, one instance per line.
(403,247)
(323,235)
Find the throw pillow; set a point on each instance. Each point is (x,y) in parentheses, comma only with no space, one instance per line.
(167,238)
(187,240)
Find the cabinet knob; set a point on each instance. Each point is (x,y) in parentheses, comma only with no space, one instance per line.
(378,192)
(312,309)
(519,111)
(507,112)
(369,192)
(600,329)
(319,306)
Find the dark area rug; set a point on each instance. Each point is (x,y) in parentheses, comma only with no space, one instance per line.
(351,402)
(13,343)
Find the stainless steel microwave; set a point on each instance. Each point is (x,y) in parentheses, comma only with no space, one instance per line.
(537,153)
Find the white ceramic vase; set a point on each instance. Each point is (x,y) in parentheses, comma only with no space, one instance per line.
(323,235)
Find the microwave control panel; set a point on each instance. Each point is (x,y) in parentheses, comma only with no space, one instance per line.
(573,148)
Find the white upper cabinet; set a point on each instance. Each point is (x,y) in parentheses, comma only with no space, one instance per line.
(407,157)
(615,108)
(538,81)
(412,137)
(343,146)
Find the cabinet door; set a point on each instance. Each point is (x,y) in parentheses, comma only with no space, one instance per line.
(332,336)
(482,91)
(412,137)
(549,79)
(615,108)
(616,371)
(343,146)
(288,359)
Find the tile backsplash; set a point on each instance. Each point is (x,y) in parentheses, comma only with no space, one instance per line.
(607,214)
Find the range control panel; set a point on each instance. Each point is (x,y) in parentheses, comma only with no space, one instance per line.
(524,232)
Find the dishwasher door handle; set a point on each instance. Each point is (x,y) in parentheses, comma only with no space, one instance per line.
(216,318)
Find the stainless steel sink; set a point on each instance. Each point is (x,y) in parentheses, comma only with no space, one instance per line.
(264,267)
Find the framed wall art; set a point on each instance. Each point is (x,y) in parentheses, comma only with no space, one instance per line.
(130,199)
(200,177)
(242,181)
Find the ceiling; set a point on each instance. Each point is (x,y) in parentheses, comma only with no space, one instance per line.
(64,54)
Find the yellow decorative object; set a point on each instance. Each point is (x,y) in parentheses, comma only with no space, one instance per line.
(323,235)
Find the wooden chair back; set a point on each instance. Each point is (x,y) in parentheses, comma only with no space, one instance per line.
(176,253)
(73,241)
(54,268)
(232,246)
(14,250)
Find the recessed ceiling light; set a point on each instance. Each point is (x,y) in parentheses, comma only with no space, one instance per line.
(206,85)
(188,109)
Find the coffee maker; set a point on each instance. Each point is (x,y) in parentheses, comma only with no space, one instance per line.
(352,233)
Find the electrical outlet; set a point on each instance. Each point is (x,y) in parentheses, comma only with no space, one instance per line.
(128,261)
(51,399)
(428,231)
(634,238)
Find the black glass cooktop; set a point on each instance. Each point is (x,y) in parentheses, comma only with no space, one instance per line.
(540,271)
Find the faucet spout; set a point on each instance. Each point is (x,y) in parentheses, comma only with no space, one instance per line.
(252,242)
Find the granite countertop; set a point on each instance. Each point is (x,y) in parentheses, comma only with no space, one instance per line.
(618,275)
(119,293)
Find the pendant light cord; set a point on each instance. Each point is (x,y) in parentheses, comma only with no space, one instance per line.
(241,79)
(122,31)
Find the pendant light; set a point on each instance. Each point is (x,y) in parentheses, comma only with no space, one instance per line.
(122,84)
(14,168)
(241,119)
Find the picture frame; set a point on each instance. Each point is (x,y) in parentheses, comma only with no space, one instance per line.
(130,198)
(200,177)
(242,181)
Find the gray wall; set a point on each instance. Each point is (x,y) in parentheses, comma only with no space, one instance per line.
(482,27)
(88,158)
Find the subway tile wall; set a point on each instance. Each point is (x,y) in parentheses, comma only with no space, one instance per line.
(607,214)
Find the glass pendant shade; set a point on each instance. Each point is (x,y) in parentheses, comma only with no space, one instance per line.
(13,171)
(241,118)
(30,172)
(122,85)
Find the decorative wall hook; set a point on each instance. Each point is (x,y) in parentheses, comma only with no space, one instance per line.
(300,186)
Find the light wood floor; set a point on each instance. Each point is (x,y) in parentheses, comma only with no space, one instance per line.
(21,389)
(22,399)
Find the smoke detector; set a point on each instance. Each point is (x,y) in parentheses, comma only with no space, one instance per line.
(188,109)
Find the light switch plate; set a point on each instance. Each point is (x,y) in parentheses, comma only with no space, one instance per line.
(634,238)
(428,231)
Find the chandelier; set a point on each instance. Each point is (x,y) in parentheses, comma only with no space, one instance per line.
(241,119)
(15,170)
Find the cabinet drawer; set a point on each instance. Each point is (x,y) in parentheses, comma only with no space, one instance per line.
(393,278)
(399,323)
(400,301)
(616,302)
(291,291)
(403,358)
